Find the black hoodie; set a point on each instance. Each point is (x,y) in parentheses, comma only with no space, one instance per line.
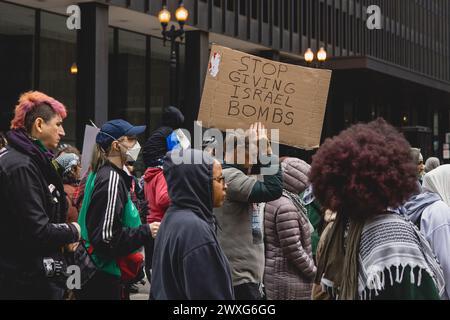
(155,147)
(188,263)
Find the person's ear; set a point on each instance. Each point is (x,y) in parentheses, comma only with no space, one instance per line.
(38,123)
(115,146)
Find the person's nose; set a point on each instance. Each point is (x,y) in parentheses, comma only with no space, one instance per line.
(61,132)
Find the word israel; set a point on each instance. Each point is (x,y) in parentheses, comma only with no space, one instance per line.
(260,92)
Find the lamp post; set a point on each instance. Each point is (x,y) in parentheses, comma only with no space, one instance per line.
(309,55)
(181,15)
(74,68)
(321,57)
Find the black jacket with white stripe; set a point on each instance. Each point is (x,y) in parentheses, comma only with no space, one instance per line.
(106,232)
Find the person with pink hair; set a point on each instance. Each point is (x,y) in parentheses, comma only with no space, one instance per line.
(34,235)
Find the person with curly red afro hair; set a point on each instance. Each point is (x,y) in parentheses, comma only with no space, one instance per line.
(357,171)
(361,174)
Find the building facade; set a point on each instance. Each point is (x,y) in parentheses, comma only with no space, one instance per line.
(400,72)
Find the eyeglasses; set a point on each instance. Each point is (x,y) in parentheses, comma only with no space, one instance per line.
(220,179)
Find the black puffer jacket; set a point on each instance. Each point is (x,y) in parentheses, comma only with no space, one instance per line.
(33,210)
(188,263)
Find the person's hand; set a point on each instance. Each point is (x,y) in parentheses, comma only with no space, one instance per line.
(154,227)
(71,247)
(252,134)
(77,226)
(263,139)
(253,130)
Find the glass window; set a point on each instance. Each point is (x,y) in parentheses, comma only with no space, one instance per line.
(160,92)
(304,17)
(130,81)
(295,16)
(16,57)
(130,87)
(285,14)
(276,7)
(57,56)
(230,5)
(242,7)
(127,81)
(111,72)
(181,74)
(254,9)
(265,6)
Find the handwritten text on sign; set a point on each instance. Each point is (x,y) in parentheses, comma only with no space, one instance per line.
(257,87)
(241,89)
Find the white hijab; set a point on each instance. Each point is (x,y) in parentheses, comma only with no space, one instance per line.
(438,181)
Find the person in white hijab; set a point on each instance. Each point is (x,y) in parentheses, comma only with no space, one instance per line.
(438,181)
(435,218)
(431,164)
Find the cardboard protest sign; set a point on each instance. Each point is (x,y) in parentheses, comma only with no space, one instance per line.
(241,89)
(90,133)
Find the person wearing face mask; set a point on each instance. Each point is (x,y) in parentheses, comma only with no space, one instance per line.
(110,223)
(70,167)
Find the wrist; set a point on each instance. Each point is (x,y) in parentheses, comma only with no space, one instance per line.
(76,230)
(151,231)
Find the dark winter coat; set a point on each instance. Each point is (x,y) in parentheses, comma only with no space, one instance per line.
(188,263)
(33,211)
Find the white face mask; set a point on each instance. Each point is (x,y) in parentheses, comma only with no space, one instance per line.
(133,153)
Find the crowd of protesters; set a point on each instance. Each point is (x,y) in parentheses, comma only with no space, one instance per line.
(367,219)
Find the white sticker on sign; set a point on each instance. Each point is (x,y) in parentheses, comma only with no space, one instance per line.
(213,67)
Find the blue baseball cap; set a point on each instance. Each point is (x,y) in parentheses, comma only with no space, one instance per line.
(114,129)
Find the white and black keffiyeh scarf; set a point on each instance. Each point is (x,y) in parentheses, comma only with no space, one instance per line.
(387,241)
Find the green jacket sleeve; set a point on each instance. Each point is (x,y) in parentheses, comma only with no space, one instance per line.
(268,190)
(315,219)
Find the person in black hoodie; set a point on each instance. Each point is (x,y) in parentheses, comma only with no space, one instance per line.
(188,263)
(154,152)
(33,232)
(155,147)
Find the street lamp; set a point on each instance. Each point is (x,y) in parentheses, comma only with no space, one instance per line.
(164,17)
(321,56)
(74,68)
(181,14)
(309,55)
(405,119)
